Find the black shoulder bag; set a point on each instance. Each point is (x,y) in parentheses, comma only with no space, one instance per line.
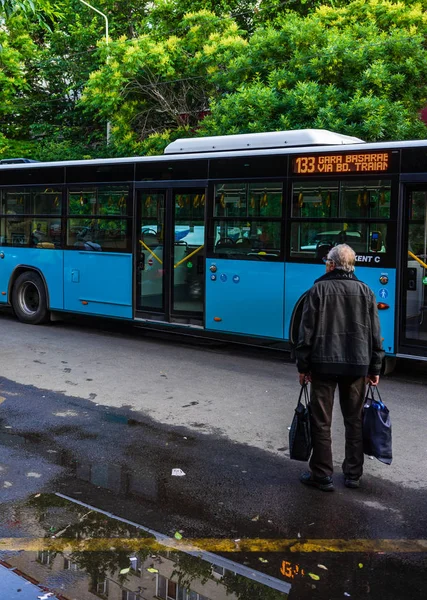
(300,433)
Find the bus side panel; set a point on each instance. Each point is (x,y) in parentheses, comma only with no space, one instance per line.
(246,296)
(48,261)
(385,293)
(299,278)
(98,283)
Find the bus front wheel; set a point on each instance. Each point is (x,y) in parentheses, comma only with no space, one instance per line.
(29,299)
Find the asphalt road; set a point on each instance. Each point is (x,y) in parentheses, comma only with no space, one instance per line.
(103,415)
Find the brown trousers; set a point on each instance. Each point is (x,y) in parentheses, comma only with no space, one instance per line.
(352,394)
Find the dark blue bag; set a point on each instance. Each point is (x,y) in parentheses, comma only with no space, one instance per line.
(300,445)
(376,428)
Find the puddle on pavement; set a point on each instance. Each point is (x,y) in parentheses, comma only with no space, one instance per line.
(73,551)
(78,553)
(69,547)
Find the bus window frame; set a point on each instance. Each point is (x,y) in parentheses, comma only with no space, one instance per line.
(211,218)
(60,216)
(128,216)
(389,258)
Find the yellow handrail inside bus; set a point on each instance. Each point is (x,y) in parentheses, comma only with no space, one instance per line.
(150,251)
(189,256)
(423,264)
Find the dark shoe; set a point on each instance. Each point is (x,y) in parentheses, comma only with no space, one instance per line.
(321,483)
(352,483)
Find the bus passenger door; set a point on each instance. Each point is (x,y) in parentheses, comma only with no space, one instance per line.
(188,256)
(170,263)
(414,306)
(150,258)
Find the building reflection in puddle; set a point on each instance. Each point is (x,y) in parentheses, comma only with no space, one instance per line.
(84,554)
(107,557)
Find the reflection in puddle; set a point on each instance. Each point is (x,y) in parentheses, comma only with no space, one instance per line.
(83,554)
(77,552)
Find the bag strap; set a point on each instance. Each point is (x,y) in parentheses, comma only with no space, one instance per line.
(379,401)
(369,398)
(304,390)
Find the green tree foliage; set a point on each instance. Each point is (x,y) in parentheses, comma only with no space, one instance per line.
(182,68)
(13,80)
(269,10)
(166,15)
(43,12)
(81,525)
(148,85)
(16,48)
(53,65)
(359,69)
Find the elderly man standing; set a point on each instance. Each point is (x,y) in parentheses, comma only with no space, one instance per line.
(339,344)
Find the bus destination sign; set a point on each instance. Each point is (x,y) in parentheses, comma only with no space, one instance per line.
(342,163)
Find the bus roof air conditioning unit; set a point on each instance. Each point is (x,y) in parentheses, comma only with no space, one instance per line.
(260,141)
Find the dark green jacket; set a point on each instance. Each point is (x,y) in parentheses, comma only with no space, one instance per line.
(340,330)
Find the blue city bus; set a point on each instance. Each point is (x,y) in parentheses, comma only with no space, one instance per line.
(219,236)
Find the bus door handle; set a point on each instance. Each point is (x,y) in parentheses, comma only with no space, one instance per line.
(141,263)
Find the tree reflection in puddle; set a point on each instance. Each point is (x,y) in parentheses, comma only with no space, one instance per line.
(82,554)
(79,552)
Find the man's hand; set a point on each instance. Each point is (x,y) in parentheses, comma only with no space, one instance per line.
(373,379)
(304,378)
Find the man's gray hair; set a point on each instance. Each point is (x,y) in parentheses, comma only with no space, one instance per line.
(343,256)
